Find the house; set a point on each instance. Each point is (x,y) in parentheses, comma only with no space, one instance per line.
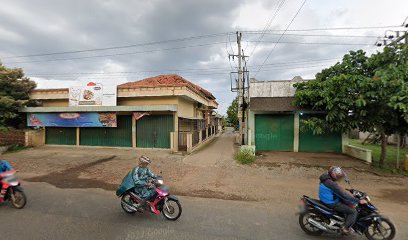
(158,112)
(274,123)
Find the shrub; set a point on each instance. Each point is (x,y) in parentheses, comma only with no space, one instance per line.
(15,148)
(245,156)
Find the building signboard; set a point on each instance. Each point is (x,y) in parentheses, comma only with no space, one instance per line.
(86,119)
(93,94)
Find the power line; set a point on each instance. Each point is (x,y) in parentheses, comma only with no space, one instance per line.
(280,5)
(317,43)
(314,35)
(188,38)
(329,29)
(215,73)
(287,27)
(181,47)
(117,54)
(119,47)
(183,70)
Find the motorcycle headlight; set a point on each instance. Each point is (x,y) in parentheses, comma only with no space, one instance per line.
(160,181)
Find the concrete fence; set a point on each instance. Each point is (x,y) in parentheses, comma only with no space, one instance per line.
(359,153)
(35,138)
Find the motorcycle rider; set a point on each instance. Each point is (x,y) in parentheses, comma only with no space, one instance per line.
(337,198)
(141,175)
(4,167)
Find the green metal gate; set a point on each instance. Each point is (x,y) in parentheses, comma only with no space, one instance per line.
(274,132)
(309,142)
(120,136)
(154,131)
(60,135)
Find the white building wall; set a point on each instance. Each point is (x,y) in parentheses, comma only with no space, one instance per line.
(277,88)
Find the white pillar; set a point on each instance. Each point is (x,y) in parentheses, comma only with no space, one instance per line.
(296,133)
(189,142)
(133,132)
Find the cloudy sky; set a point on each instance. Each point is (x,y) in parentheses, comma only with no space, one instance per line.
(61,43)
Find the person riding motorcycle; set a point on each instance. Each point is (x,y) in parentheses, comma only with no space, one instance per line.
(4,167)
(141,175)
(337,198)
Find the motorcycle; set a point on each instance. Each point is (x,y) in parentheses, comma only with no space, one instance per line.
(11,190)
(162,201)
(315,218)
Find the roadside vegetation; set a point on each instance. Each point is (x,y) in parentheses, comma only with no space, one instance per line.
(15,148)
(245,156)
(390,162)
(369,93)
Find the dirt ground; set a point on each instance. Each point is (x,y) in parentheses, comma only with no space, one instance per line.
(281,177)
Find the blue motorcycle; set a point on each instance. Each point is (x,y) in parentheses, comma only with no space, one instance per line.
(315,218)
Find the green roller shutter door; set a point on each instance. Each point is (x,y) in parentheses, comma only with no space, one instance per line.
(274,132)
(60,135)
(327,142)
(120,136)
(154,131)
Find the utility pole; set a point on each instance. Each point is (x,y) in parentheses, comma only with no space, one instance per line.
(240,88)
(392,37)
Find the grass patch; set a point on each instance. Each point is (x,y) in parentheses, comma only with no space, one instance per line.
(245,156)
(15,148)
(390,162)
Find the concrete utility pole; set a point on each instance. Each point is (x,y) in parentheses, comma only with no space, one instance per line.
(240,88)
(395,37)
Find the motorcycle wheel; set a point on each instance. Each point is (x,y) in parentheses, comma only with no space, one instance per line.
(306,226)
(18,199)
(172,211)
(383,231)
(127,199)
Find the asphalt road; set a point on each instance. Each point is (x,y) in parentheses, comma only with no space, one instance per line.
(54,213)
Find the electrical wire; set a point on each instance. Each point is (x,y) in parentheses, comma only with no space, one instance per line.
(182,70)
(188,38)
(119,47)
(267,26)
(313,35)
(116,54)
(333,28)
(215,73)
(287,27)
(317,43)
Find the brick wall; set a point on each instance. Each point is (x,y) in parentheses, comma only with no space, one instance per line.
(12,137)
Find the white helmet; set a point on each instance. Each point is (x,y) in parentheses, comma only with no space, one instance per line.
(145,159)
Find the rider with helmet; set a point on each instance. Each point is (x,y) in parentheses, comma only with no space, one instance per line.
(141,176)
(5,166)
(337,198)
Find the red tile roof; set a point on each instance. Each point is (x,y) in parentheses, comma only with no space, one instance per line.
(171,80)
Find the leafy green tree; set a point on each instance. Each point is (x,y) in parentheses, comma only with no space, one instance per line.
(232,113)
(14,94)
(362,92)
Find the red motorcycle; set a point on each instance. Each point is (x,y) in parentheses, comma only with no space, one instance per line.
(162,201)
(11,190)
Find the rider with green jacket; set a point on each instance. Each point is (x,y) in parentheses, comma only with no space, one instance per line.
(141,176)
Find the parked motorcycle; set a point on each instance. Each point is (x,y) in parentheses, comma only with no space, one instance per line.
(162,201)
(11,190)
(315,218)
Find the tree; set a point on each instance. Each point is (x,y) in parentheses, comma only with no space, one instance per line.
(362,92)
(232,113)
(14,94)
